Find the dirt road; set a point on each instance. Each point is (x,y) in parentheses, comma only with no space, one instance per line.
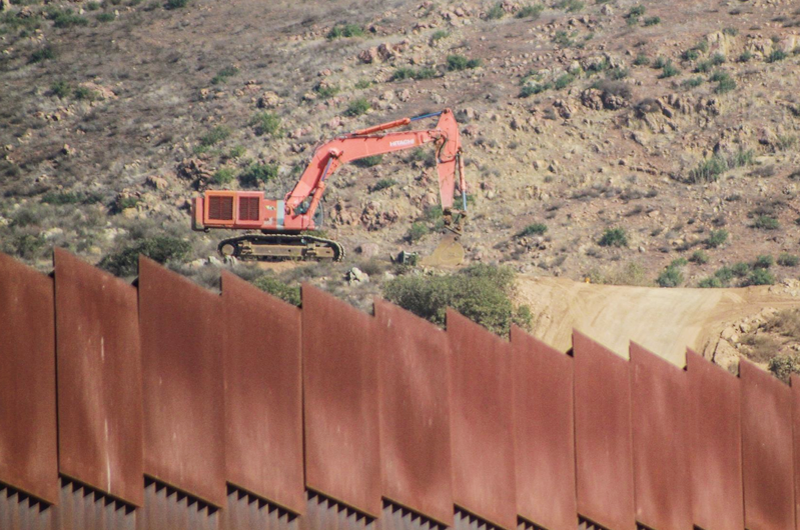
(665,321)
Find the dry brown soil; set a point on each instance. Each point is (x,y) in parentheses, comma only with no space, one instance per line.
(665,321)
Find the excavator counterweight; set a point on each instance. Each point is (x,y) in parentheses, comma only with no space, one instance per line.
(279,227)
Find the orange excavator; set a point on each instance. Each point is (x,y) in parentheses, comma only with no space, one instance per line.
(278,227)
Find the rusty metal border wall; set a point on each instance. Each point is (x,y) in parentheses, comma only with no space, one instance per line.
(500,410)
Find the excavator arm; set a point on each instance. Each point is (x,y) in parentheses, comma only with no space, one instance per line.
(376,141)
(282,221)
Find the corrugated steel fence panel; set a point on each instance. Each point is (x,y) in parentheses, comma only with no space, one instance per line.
(340,382)
(660,454)
(245,511)
(28,443)
(715,445)
(603,445)
(263,394)
(544,433)
(482,422)
(415,413)
(99,379)
(167,508)
(767,455)
(184,427)
(795,385)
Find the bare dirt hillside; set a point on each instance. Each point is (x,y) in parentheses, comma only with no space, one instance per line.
(665,321)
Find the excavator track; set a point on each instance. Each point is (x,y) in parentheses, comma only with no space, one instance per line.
(281,247)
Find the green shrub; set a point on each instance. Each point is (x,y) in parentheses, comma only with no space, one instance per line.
(237,151)
(692,82)
(669,70)
(93,6)
(776,55)
(346,30)
(43,54)
(783,366)
(162,249)
(495,12)
(61,89)
(760,277)
(534,88)
(731,32)
(618,73)
(764,261)
(256,174)
(459,62)
(417,232)
(106,17)
(571,6)
(724,274)
(530,11)
(659,63)
(563,39)
(368,161)
(26,246)
(363,84)
(699,257)
(65,18)
(717,238)
(223,75)
(58,198)
(614,237)
(266,123)
(326,90)
(534,229)
(690,55)
(479,292)
(670,277)
(404,72)
(765,222)
(725,83)
(439,34)
(384,184)
(745,56)
(710,283)
(84,94)
(223,176)
(279,289)
(636,11)
(215,135)
(703,67)
(788,260)
(652,21)
(641,60)
(357,107)
(740,269)
(563,81)
(176,4)
(709,170)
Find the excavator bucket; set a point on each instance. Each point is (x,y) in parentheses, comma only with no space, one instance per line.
(449,253)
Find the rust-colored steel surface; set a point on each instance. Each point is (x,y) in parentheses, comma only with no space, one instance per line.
(603,447)
(767,458)
(415,413)
(544,433)
(340,382)
(715,445)
(482,422)
(28,443)
(184,426)
(660,454)
(99,379)
(263,394)
(795,385)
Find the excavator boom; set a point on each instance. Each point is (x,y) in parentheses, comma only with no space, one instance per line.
(281,222)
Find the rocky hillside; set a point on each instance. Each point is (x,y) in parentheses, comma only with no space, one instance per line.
(646,143)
